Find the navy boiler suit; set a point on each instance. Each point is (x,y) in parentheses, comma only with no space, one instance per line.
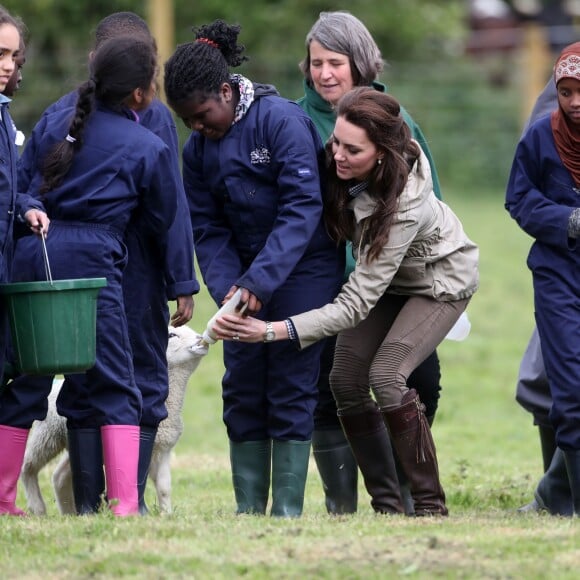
(157,270)
(8,200)
(256,210)
(541,195)
(8,157)
(121,168)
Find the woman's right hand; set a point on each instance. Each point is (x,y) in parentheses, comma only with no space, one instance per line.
(243,329)
(37,221)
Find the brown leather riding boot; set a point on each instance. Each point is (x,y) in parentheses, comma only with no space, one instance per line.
(413,443)
(369,441)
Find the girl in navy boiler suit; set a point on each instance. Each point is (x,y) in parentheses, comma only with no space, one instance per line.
(94,167)
(543,196)
(252,177)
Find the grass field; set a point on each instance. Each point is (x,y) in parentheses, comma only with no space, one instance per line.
(489,458)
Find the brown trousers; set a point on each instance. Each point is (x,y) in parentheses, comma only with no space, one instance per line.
(380,353)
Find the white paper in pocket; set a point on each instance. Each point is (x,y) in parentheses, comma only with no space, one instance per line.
(461,328)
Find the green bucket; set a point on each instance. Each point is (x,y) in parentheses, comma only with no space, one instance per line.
(53,324)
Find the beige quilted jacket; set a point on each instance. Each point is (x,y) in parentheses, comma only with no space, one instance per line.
(427,254)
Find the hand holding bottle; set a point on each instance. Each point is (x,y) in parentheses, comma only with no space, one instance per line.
(232,306)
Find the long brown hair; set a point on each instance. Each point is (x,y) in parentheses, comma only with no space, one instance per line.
(380,116)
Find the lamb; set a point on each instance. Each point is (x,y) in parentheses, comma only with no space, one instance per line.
(48,438)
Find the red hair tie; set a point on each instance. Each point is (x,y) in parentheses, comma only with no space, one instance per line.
(208,41)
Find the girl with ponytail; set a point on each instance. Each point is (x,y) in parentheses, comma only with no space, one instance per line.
(94,166)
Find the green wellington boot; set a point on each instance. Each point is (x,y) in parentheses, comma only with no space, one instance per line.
(572,459)
(289,471)
(251,462)
(338,470)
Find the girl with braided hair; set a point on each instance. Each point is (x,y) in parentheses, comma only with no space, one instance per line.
(93,166)
(252,176)
(155,274)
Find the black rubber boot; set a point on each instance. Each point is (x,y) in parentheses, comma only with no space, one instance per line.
(146,443)
(338,470)
(371,446)
(85,451)
(553,493)
(572,459)
(289,471)
(251,464)
(405,489)
(548,445)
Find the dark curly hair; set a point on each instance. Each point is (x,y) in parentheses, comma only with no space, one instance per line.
(202,66)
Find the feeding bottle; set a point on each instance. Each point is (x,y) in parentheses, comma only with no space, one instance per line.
(230,307)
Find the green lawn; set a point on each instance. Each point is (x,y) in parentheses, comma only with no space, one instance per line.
(489,460)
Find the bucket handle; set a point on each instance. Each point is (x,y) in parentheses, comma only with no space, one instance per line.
(46,262)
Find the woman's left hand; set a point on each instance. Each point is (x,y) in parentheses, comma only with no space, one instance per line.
(242,329)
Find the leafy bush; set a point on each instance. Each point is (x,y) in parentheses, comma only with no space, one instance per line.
(471,124)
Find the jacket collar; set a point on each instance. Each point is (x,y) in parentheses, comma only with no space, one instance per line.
(363,205)
(315,100)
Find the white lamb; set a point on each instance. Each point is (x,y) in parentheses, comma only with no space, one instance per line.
(48,438)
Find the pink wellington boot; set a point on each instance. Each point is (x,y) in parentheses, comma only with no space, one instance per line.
(13,445)
(121,458)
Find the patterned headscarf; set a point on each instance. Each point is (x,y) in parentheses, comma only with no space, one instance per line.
(568,63)
(246,89)
(566,134)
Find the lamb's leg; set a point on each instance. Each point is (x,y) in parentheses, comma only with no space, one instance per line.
(29,478)
(160,473)
(43,445)
(63,486)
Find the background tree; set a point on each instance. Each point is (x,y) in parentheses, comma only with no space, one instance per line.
(472,127)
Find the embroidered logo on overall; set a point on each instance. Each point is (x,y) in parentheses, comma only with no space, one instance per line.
(260,156)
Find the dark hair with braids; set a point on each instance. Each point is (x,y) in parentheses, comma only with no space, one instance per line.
(120,24)
(201,66)
(118,67)
(379,115)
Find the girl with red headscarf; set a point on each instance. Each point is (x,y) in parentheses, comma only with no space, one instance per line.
(543,196)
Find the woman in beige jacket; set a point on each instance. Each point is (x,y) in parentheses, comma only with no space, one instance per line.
(416,271)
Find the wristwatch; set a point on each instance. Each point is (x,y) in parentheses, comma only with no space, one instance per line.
(269,335)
